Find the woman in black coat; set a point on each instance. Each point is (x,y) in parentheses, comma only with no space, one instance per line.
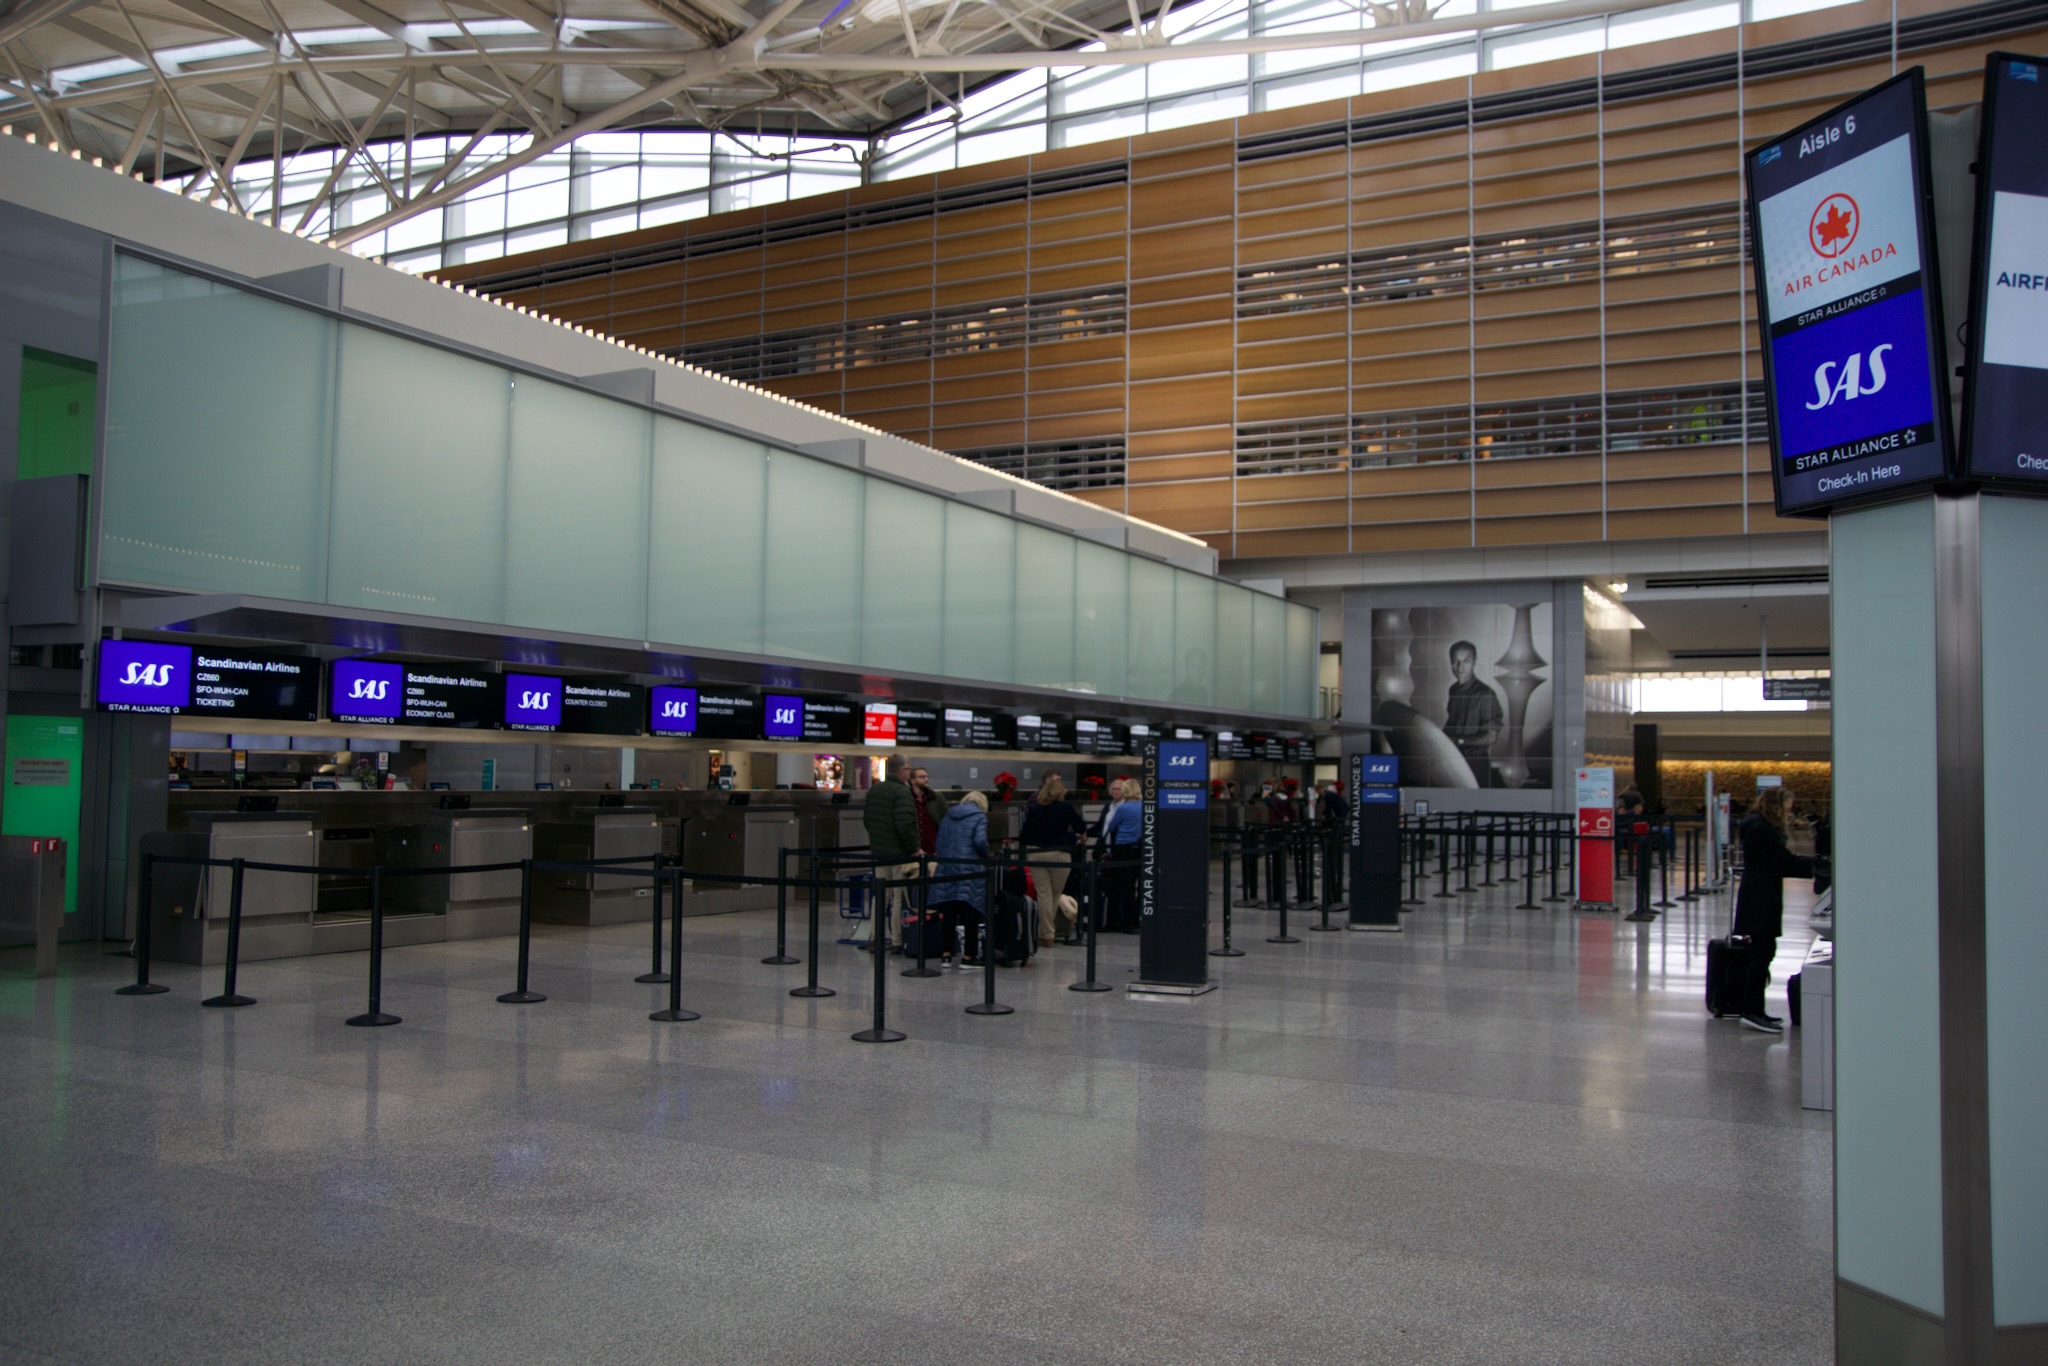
(1760,901)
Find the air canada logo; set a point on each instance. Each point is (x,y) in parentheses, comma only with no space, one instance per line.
(1834,225)
(148,675)
(369,689)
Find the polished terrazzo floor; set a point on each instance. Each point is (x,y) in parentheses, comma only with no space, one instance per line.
(1499,1137)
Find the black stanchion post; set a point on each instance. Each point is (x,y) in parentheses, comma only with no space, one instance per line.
(228,997)
(1688,874)
(1662,834)
(1283,937)
(924,921)
(375,1015)
(675,1014)
(1443,858)
(142,986)
(654,975)
(879,944)
(988,1004)
(810,986)
(1551,860)
(1418,844)
(1226,951)
(1093,884)
(1642,910)
(1329,860)
(519,995)
(1528,901)
(780,958)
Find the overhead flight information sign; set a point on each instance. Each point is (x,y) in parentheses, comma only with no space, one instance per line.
(1848,300)
(207,680)
(2005,414)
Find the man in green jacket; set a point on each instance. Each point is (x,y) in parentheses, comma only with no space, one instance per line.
(890,815)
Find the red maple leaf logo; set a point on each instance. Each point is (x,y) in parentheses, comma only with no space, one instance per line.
(1834,225)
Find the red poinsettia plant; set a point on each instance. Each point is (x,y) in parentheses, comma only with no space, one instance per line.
(1290,784)
(1094,783)
(1215,787)
(1006,783)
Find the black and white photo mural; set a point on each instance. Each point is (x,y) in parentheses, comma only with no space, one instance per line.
(1465,693)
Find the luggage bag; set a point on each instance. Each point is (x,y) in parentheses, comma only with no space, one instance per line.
(1727,972)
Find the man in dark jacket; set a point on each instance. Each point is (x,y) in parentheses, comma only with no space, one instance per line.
(890,816)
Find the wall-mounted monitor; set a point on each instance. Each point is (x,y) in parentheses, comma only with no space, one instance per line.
(919,724)
(207,680)
(1138,733)
(878,725)
(728,714)
(1849,303)
(603,706)
(1097,737)
(978,728)
(671,710)
(1300,750)
(1045,734)
(533,702)
(782,717)
(833,720)
(2005,404)
(377,692)
(1234,744)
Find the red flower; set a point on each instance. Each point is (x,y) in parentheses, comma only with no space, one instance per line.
(1006,780)
(1290,783)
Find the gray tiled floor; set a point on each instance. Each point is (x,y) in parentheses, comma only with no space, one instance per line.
(1500,1136)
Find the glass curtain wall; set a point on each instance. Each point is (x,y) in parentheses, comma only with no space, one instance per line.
(618,182)
(339,464)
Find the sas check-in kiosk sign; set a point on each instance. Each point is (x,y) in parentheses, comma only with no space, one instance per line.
(1173,920)
(1374,842)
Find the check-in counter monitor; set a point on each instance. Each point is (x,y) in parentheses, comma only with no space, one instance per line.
(598,833)
(474,904)
(189,904)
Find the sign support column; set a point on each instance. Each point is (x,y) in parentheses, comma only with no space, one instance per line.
(1374,842)
(1173,888)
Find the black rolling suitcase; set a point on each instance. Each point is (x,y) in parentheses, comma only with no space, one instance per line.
(1727,972)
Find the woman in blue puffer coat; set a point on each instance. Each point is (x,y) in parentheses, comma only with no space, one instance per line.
(960,888)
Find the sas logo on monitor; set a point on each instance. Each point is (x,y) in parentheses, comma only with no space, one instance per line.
(535,701)
(1844,380)
(369,689)
(675,711)
(1181,761)
(148,675)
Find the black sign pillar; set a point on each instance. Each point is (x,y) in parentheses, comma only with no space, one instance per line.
(1173,886)
(1374,838)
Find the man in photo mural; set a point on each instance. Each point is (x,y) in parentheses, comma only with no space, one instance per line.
(1472,713)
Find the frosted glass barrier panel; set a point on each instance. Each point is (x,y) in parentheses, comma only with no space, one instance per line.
(981,613)
(814,535)
(576,538)
(902,578)
(1887,1072)
(1148,639)
(1304,650)
(1269,653)
(420,449)
(1045,607)
(710,520)
(220,413)
(1194,637)
(1101,580)
(1234,658)
(2015,576)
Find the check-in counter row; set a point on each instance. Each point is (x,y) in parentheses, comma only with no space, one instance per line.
(345,834)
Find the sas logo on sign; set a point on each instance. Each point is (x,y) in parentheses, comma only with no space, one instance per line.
(148,675)
(782,716)
(369,689)
(1828,386)
(675,711)
(1833,227)
(1181,761)
(535,701)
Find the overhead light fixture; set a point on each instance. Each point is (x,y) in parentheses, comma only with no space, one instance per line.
(1618,586)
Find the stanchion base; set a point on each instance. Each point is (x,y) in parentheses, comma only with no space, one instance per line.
(1413,901)
(1690,896)
(675,1016)
(1444,896)
(781,960)
(924,972)
(1220,953)
(522,998)
(653,978)
(991,1008)
(814,991)
(1663,905)
(1527,906)
(1554,900)
(1281,939)
(1641,917)
(140,989)
(880,1036)
(1331,929)
(228,1002)
(369,1020)
(1090,986)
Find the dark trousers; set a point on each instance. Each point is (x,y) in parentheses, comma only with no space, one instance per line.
(1761,951)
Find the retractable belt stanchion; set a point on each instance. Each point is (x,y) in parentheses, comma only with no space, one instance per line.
(780,958)
(654,975)
(1089,913)
(375,1015)
(1551,859)
(1642,910)
(1226,951)
(1443,859)
(878,942)
(924,921)
(1329,862)
(142,986)
(1468,848)
(1689,876)
(988,1004)
(1528,901)
(1283,937)
(1417,846)
(675,1014)
(228,997)
(519,995)
(1663,836)
(810,986)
